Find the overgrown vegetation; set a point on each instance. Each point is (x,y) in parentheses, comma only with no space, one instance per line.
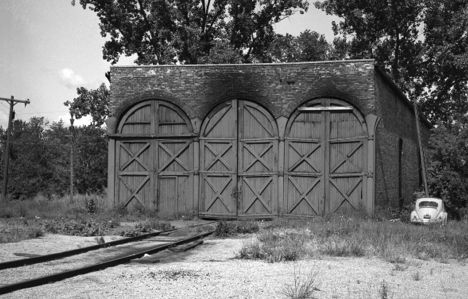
(233,228)
(448,167)
(84,216)
(40,159)
(357,237)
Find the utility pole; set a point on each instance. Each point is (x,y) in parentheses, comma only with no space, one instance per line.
(6,154)
(72,150)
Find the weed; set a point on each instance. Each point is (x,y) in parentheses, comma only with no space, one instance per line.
(416,276)
(384,290)
(400,267)
(233,228)
(301,288)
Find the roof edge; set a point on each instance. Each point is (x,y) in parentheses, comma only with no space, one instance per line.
(247,64)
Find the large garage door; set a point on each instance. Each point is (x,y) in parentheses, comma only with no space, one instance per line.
(325,159)
(154,159)
(239,157)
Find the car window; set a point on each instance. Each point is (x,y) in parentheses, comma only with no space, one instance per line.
(428,204)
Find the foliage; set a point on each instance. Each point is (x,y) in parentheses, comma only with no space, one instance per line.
(423,44)
(93,102)
(91,159)
(384,30)
(448,166)
(162,32)
(445,71)
(40,159)
(308,46)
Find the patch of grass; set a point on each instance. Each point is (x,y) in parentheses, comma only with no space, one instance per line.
(350,236)
(301,287)
(234,228)
(19,233)
(274,246)
(337,246)
(146,226)
(78,227)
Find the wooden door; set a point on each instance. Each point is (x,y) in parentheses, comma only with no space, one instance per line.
(347,161)
(239,157)
(174,162)
(134,173)
(218,163)
(154,159)
(257,161)
(304,165)
(325,159)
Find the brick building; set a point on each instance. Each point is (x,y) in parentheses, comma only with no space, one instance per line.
(260,140)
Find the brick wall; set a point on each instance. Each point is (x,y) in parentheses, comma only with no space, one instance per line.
(279,87)
(397,122)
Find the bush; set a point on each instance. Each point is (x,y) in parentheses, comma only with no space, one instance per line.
(448,167)
(274,246)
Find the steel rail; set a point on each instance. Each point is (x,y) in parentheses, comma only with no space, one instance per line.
(99,266)
(63,254)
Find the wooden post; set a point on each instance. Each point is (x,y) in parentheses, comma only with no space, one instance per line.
(72,145)
(421,152)
(6,153)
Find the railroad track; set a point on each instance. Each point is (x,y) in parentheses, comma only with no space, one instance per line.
(99,265)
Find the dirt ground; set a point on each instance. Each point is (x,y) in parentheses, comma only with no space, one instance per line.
(212,271)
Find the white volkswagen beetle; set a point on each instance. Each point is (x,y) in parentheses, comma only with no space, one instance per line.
(429,210)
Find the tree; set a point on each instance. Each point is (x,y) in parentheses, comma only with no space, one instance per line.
(384,30)
(162,32)
(90,159)
(308,46)
(93,102)
(423,44)
(448,166)
(445,75)
(29,167)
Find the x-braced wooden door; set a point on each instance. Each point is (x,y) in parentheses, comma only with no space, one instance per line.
(154,159)
(325,159)
(239,158)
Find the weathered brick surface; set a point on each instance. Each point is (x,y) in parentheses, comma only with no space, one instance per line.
(397,121)
(281,88)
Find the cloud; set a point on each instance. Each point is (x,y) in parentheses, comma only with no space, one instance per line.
(71,79)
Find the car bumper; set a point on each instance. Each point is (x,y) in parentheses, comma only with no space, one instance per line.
(427,221)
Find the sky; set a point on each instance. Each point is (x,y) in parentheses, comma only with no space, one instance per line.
(49,48)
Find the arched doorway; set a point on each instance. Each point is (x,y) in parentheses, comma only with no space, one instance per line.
(154,158)
(325,159)
(238,162)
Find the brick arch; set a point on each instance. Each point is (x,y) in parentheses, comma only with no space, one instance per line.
(124,106)
(131,107)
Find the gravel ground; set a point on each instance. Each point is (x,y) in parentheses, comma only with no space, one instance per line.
(211,271)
